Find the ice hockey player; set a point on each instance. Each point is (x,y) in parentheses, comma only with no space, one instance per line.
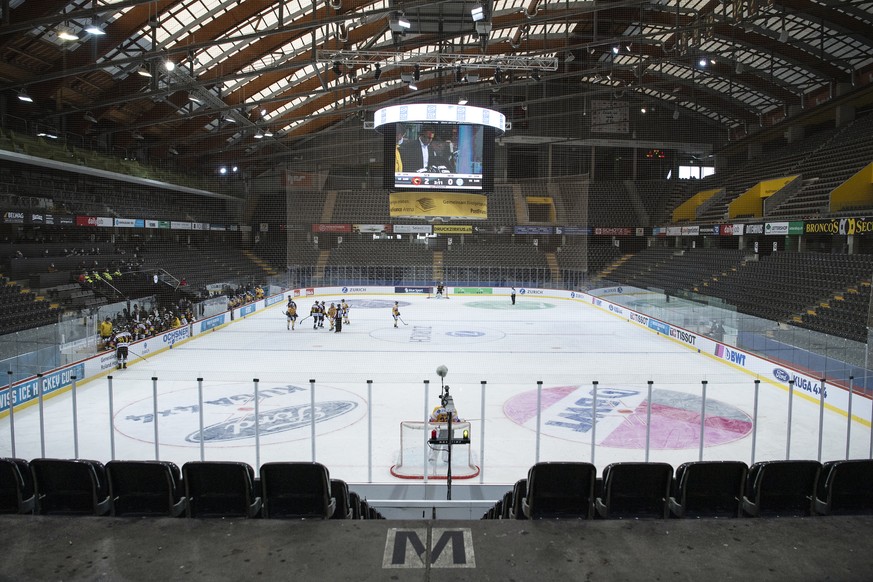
(122,341)
(440,289)
(331,316)
(291,312)
(395,313)
(345,309)
(313,313)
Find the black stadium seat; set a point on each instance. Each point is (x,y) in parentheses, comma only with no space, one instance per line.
(560,490)
(709,489)
(220,489)
(296,491)
(635,490)
(146,488)
(781,488)
(70,487)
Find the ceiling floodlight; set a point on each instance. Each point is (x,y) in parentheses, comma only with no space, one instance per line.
(478,13)
(259,135)
(570,57)
(399,23)
(462,101)
(406,77)
(268,133)
(783,36)
(615,50)
(95,30)
(413,86)
(173,151)
(67,34)
(194,98)
(137,135)
(169,65)
(23,96)
(89,117)
(143,71)
(483,28)
(472,77)
(703,62)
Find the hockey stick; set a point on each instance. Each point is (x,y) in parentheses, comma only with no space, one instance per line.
(304,319)
(401,320)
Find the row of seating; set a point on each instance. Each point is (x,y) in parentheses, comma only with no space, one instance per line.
(284,490)
(710,489)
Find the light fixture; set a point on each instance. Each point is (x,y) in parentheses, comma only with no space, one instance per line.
(676,113)
(268,133)
(137,135)
(741,68)
(89,117)
(143,71)
(472,77)
(94,30)
(65,33)
(462,101)
(173,151)
(483,28)
(47,134)
(169,65)
(570,57)
(399,23)
(416,73)
(783,36)
(406,77)
(378,72)
(628,47)
(234,169)
(702,62)
(537,77)
(23,96)
(643,110)
(477,13)
(259,135)
(615,50)
(229,119)
(222,170)
(413,86)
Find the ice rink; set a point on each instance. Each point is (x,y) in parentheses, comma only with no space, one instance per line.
(566,345)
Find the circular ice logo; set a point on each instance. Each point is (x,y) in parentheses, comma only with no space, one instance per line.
(374,303)
(284,413)
(465,333)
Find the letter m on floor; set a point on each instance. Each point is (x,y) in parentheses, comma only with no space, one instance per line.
(449,548)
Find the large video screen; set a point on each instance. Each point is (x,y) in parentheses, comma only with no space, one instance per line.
(439,156)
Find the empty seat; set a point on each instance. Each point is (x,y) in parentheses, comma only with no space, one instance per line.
(296,491)
(560,490)
(632,490)
(355,502)
(340,491)
(781,488)
(845,488)
(145,488)
(516,500)
(69,487)
(16,486)
(709,489)
(220,489)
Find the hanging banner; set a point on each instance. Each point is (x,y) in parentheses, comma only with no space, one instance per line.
(443,204)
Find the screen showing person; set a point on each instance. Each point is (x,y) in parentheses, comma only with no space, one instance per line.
(445,156)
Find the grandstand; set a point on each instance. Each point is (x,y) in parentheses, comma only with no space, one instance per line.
(695,174)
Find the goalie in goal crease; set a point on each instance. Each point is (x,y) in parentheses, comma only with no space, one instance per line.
(440,414)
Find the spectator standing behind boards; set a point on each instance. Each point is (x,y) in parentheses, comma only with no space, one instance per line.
(105,331)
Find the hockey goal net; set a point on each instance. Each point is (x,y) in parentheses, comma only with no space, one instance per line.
(417,457)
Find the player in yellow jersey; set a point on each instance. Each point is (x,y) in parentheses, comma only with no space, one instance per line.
(345,309)
(331,315)
(395,313)
(291,312)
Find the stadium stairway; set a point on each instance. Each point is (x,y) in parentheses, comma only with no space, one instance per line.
(438,266)
(616,264)
(555,269)
(264,265)
(323,258)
